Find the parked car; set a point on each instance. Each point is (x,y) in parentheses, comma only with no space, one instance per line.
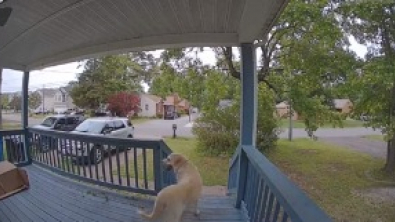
(58,123)
(117,127)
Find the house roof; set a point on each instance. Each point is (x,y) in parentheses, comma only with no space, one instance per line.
(340,103)
(183,103)
(154,98)
(48,92)
(45,33)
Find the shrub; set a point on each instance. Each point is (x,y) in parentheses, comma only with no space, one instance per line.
(218,130)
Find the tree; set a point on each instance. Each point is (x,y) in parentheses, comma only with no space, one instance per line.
(121,104)
(373,23)
(103,77)
(305,40)
(1,98)
(16,103)
(34,100)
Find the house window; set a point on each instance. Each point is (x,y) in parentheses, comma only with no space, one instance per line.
(63,98)
(146,107)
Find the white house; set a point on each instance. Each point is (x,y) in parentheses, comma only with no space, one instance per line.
(63,100)
(150,105)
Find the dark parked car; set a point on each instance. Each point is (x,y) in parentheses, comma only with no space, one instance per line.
(58,123)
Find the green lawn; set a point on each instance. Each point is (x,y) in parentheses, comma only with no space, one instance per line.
(332,176)
(284,123)
(375,137)
(213,169)
(139,120)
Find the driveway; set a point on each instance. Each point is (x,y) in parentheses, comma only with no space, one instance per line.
(163,128)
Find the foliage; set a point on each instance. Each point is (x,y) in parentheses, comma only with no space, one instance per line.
(218,131)
(16,103)
(103,77)
(34,100)
(373,23)
(305,40)
(121,104)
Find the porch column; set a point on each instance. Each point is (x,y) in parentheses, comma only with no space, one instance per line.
(25,99)
(249,98)
(248,111)
(25,115)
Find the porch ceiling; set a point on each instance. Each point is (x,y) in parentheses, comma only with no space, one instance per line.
(42,33)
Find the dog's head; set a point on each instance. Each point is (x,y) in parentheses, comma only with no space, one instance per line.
(174,161)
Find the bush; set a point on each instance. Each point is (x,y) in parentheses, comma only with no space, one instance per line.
(218,131)
(159,116)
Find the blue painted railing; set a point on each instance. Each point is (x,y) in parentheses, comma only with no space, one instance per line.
(265,193)
(125,164)
(13,147)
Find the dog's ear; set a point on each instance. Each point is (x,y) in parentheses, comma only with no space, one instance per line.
(178,160)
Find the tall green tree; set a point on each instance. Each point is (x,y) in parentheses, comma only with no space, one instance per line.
(34,100)
(308,41)
(104,77)
(373,23)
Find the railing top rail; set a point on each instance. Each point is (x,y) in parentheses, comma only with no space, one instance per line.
(295,202)
(147,143)
(11,132)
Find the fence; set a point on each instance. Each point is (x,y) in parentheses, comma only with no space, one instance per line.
(265,193)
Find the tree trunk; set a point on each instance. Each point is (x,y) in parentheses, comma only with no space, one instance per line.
(390,163)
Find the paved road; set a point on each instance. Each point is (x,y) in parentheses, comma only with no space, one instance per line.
(162,128)
(374,148)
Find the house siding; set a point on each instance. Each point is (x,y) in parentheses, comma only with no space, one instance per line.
(148,107)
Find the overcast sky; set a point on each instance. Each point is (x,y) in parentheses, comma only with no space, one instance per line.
(57,76)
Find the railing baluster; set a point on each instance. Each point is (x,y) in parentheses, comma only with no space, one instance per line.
(92,146)
(74,144)
(127,167)
(108,150)
(258,202)
(269,209)
(136,171)
(103,163)
(276,211)
(264,201)
(96,162)
(118,165)
(285,217)
(145,168)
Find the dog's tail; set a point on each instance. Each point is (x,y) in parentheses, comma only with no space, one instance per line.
(158,208)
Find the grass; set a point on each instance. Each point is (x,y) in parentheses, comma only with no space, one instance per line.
(214,170)
(349,123)
(140,120)
(332,176)
(375,137)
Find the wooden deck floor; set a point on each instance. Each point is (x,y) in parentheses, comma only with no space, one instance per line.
(54,198)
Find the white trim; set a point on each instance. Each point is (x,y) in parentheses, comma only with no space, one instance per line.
(147,43)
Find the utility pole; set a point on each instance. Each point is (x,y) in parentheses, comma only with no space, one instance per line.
(43,99)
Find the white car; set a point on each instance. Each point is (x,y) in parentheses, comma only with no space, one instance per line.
(118,127)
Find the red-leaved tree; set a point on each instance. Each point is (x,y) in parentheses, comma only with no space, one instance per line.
(121,104)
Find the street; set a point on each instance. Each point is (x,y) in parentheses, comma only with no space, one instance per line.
(159,128)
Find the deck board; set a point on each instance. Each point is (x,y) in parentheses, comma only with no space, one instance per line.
(54,198)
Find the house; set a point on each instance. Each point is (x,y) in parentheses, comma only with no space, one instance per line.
(47,100)
(63,100)
(150,105)
(184,106)
(282,111)
(343,106)
(224,103)
(170,106)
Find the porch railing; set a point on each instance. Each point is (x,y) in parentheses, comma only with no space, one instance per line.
(123,164)
(12,144)
(265,193)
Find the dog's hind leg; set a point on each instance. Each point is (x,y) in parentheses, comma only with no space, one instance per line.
(195,208)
